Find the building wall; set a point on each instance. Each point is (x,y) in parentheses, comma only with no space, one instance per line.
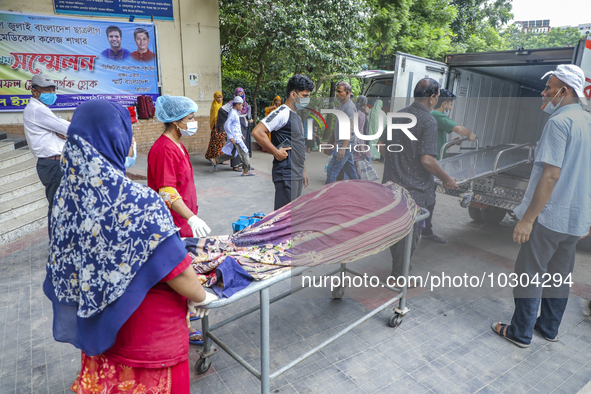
(189,44)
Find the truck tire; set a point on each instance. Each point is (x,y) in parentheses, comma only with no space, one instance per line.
(493,215)
(584,244)
(475,214)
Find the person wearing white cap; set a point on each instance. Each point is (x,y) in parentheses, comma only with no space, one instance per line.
(45,134)
(234,138)
(555,212)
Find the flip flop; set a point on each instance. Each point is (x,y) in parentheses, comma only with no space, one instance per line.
(215,167)
(504,329)
(195,342)
(434,238)
(237,169)
(192,318)
(249,174)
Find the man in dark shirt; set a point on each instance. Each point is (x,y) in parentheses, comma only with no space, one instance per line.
(115,52)
(414,167)
(288,144)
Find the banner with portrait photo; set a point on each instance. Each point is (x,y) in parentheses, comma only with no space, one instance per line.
(87,59)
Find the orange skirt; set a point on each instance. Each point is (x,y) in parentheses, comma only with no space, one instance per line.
(100,375)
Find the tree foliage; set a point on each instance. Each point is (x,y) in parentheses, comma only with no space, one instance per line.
(476,18)
(266,40)
(514,38)
(420,27)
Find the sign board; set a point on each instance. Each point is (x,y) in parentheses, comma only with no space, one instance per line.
(78,55)
(157,9)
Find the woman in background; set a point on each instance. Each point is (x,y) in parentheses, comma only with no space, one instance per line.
(218,137)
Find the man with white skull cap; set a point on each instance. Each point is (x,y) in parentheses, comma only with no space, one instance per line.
(555,211)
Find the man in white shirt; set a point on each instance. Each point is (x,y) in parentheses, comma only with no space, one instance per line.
(234,138)
(46,134)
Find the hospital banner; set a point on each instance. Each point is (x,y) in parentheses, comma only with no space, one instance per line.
(87,59)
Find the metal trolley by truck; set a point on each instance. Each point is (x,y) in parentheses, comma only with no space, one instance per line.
(262,287)
(498,98)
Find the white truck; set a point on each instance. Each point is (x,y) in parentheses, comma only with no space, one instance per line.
(498,98)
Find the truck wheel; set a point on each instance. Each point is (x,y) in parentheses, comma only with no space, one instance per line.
(584,244)
(493,215)
(475,214)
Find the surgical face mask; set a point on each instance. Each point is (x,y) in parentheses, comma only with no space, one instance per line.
(191,129)
(304,101)
(129,161)
(447,112)
(550,108)
(48,98)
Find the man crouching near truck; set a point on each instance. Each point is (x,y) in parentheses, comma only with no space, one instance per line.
(555,211)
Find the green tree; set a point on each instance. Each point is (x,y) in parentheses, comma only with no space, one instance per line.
(474,19)
(515,38)
(268,40)
(419,27)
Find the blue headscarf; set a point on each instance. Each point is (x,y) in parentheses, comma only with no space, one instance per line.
(111,239)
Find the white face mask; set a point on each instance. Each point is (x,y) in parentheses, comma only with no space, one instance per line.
(129,161)
(550,108)
(191,129)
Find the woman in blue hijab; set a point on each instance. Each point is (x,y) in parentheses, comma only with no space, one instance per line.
(118,274)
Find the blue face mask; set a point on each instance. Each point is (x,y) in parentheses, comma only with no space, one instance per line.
(304,101)
(48,98)
(129,161)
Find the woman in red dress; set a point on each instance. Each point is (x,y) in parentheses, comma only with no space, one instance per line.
(170,172)
(118,273)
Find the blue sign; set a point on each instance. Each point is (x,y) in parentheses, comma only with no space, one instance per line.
(147,9)
(86,59)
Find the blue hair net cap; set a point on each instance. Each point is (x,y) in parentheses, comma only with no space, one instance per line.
(171,108)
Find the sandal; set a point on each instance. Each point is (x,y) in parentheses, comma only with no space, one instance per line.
(215,167)
(194,341)
(434,238)
(193,316)
(236,169)
(249,174)
(503,334)
(537,328)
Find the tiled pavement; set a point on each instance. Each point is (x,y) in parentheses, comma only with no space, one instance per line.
(444,345)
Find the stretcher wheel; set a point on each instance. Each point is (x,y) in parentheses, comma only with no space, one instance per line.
(202,366)
(395,320)
(338,293)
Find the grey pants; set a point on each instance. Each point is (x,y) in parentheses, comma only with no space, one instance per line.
(243,156)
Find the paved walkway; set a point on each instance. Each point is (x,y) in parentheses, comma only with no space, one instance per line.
(444,345)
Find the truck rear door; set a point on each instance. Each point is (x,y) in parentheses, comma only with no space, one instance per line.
(408,71)
(585,64)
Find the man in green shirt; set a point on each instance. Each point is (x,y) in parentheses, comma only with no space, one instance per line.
(444,124)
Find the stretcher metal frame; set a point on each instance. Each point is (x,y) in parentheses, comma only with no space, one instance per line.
(264,375)
(476,158)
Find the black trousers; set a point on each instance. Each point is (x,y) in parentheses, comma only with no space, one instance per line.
(50,174)
(287,191)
